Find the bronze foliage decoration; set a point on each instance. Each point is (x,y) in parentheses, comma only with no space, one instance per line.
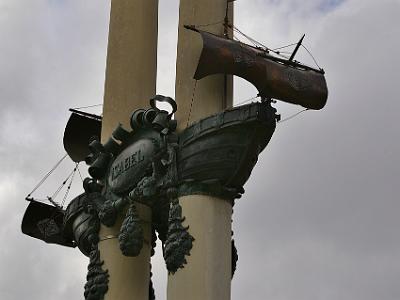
(179,241)
(97,279)
(131,234)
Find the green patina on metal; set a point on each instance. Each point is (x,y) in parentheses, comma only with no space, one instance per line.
(131,234)
(225,147)
(154,166)
(81,224)
(97,279)
(179,242)
(209,188)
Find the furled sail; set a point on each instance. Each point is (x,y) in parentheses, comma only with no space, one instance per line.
(274,77)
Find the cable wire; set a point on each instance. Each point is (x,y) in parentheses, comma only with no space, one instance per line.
(210,24)
(89,106)
(284,46)
(312,56)
(47,175)
(257,44)
(69,185)
(79,171)
(191,103)
(54,196)
(292,116)
(245,101)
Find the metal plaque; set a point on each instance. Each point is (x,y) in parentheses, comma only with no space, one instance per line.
(130,166)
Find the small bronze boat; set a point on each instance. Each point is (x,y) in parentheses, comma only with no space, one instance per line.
(225,147)
(274,77)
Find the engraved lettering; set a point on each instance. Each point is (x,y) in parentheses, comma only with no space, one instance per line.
(129,167)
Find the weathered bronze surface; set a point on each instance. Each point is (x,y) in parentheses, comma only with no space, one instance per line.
(154,166)
(130,165)
(273,77)
(79,130)
(179,241)
(224,147)
(45,222)
(131,234)
(97,278)
(80,224)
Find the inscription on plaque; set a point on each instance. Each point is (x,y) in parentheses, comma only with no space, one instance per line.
(124,165)
(130,166)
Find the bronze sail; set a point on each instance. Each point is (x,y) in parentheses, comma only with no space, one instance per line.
(81,127)
(275,78)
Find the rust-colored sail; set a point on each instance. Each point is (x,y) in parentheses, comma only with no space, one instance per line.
(273,77)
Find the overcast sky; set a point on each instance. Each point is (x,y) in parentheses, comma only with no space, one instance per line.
(319,219)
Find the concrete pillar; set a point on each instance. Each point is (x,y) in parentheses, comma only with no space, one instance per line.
(129,276)
(210,93)
(131,61)
(130,83)
(207,275)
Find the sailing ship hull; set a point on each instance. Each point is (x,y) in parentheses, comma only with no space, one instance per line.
(225,147)
(276,79)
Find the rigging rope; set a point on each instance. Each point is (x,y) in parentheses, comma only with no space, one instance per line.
(218,22)
(68,180)
(54,196)
(256,43)
(89,106)
(54,203)
(70,184)
(46,176)
(191,103)
(284,46)
(210,24)
(312,56)
(245,101)
(79,171)
(292,116)
(265,48)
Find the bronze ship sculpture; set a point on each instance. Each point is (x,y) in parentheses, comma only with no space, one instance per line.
(274,77)
(154,165)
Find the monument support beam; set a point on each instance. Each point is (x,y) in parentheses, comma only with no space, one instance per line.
(130,83)
(207,274)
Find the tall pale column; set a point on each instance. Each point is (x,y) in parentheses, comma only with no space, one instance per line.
(130,83)
(207,275)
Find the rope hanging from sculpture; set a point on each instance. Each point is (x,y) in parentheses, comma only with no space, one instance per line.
(68,180)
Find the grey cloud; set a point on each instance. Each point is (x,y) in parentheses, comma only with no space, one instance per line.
(319,218)
(323,199)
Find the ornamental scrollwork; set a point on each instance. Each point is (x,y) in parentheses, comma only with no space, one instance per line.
(152,165)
